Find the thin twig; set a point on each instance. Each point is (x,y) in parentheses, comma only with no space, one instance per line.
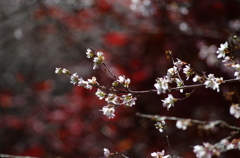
(169,146)
(13,156)
(222,124)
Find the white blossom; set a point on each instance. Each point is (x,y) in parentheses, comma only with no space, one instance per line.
(93,81)
(213,82)
(58,70)
(172,72)
(97,60)
(224,145)
(159,154)
(116,100)
(106,152)
(179,83)
(222,50)
(182,124)
(188,71)
(161,85)
(128,100)
(65,71)
(179,64)
(74,78)
(196,78)
(108,111)
(100,94)
(169,101)
(236,66)
(161,126)
(89,53)
(205,151)
(226,59)
(122,80)
(235,110)
(237,74)
(237,70)
(110,98)
(84,84)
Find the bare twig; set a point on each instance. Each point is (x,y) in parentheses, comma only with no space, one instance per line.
(13,156)
(221,123)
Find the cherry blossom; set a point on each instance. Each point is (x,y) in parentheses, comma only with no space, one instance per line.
(161,126)
(169,101)
(97,60)
(213,82)
(89,53)
(182,124)
(108,111)
(235,110)
(159,154)
(106,152)
(74,78)
(122,80)
(58,70)
(188,71)
(205,151)
(100,94)
(161,85)
(222,50)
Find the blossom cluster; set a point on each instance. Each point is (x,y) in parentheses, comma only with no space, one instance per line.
(159,154)
(223,52)
(97,58)
(163,85)
(111,98)
(208,150)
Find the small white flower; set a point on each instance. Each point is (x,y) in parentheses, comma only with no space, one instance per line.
(128,100)
(161,85)
(58,70)
(188,71)
(65,71)
(179,83)
(237,69)
(196,78)
(89,53)
(225,145)
(98,60)
(100,94)
(172,72)
(106,152)
(93,81)
(159,154)
(213,82)
(236,66)
(84,84)
(179,64)
(74,78)
(161,126)
(237,74)
(235,110)
(182,124)
(110,98)
(226,59)
(123,81)
(169,101)
(222,50)
(108,111)
(205,151)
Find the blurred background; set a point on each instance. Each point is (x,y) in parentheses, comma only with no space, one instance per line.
(43,115)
